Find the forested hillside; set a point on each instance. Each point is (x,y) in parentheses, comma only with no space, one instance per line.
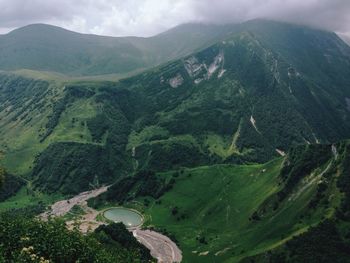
(241,100)
(280,211)
(235,147)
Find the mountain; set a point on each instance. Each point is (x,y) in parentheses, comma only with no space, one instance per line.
(247,98)
(236,146)
(346,38)
(229,213)
(50,48)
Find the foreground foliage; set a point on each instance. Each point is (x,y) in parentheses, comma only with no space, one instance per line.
(24,239)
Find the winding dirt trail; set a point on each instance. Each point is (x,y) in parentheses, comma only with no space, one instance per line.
(161,247)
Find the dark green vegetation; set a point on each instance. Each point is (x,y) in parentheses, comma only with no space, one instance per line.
(329,241)
(187,140)
(143,184)
(301,162)
(116,234)
(240,100)
(10,185)
(227,213)
(2,176)
(24,239)
(76,167)
(322,243)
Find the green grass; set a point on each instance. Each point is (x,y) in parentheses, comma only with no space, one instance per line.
(221,146)
(20,140)
(147,134)
(27,197)
(72,125)
(217,201)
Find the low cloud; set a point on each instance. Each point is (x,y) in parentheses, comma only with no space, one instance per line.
(149,17)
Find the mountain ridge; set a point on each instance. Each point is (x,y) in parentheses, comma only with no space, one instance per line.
(243,130)
(88,54)
(78,54)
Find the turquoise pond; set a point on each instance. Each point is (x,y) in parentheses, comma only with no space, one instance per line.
(128,217)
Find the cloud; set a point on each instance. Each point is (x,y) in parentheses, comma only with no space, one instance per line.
(149,17)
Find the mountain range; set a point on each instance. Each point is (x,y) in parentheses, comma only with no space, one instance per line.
(231,138)
(50,48)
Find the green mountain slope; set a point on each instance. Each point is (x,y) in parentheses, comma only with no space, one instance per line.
(50,48)
(240,100)
(195,142)
(226,213)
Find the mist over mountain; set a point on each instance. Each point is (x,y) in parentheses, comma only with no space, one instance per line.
(50,48)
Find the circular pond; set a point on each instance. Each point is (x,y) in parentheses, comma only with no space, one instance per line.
(128,217)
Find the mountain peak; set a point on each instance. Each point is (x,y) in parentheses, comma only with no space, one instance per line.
(40,29)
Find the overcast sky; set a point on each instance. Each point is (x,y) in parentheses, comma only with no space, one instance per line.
(149,17)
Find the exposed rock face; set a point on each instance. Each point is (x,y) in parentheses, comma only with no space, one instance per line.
(176,81)
(216,64)
(280,152)
(200,71)
(193,67)
(197,81)
(252,121)
(221,73)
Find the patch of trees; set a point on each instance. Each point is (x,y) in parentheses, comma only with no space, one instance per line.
(319,112)
(110,119)
(175,211)
(71,93)
(343,182)
(57,109)
(2,176)
(255,216)
(29,211)
(25,239)
(202,240)
(23,95)
(10,186)
(301,161)
(70,167)
(170,155)
(98,126)
(179,215)
(322,243)
(262,150)
(201,119)
(320,194)
(115,234)
(143,183)
(79,91)
(131,103)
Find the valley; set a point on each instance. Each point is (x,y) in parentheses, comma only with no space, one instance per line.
(88,219)
(231,147)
